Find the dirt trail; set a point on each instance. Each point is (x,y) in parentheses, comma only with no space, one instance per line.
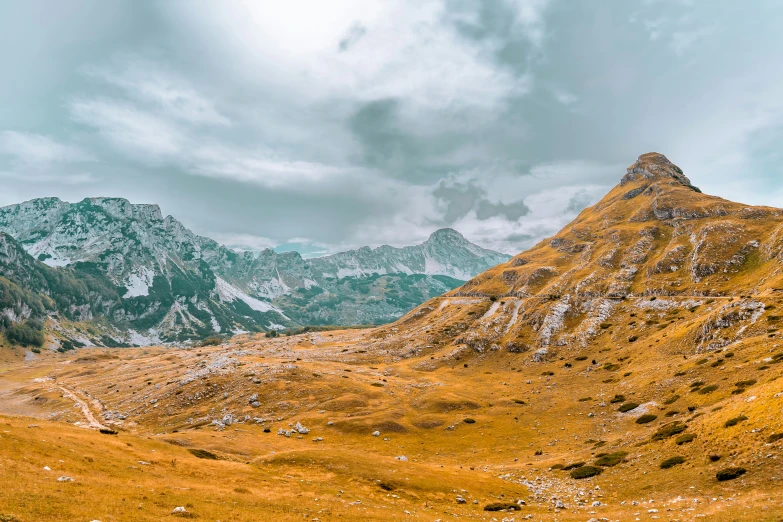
(92,422)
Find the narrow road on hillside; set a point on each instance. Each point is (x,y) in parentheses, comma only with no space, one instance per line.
(92,422)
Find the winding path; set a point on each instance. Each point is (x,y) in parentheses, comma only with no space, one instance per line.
(92,422)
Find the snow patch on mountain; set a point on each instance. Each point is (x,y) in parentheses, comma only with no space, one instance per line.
(229,293)
(139,282)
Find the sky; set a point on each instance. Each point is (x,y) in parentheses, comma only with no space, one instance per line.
(322,126)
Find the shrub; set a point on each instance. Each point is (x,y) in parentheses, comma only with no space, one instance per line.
(708,389)
(203,454)
(774,438)
(469,421)
(730,474)
(669,430)
(29,333)
(211,341)
(633,338)
(618,398)
(581,358)
(672,413)
(672,399)
(685,439)
(501,506)
(671,462)
(714,458)
(547,373)
(734,421)
(745,384)
(575,465)
(586,472)
(628,406)
(611,459)
(558,466)
(646,418)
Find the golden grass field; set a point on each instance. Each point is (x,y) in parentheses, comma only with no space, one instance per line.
(665,304)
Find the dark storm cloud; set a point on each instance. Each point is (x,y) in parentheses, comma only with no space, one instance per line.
(462,198)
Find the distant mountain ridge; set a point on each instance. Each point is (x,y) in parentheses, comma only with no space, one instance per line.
(154,280)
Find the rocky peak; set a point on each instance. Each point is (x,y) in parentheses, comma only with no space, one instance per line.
(654,167)
(446,235)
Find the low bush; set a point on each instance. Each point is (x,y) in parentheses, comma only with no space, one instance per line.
(671,462)
(714,458)
(501,506)
(575,465)
(617,398)
(684,439)
(469,421)
(611,459)
(734,421)
(646,418)
(672,399)
(745,384)
(774,438)
(203,454)
(586,472)
(730,474)
(669,430)
(628,406)
(708,389)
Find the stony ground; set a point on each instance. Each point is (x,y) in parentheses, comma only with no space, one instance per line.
(337,426)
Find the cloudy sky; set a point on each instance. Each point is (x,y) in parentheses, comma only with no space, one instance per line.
(341,123)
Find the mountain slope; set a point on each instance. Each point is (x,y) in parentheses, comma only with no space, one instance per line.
(155,280)
(559,385)
(654,242)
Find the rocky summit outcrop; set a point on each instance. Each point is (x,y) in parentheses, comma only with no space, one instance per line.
(154,280)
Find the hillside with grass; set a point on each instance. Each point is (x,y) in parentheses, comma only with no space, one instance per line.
(627,368)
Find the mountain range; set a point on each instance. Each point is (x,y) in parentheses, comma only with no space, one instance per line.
(134,277)
(631,366)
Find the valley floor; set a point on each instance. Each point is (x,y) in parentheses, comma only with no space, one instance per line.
(434,436)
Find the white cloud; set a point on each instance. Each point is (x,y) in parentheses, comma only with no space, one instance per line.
(130,129)
(147,81)
(268,169)
(38,150)
(37,158)
(243,242)
(405,50)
